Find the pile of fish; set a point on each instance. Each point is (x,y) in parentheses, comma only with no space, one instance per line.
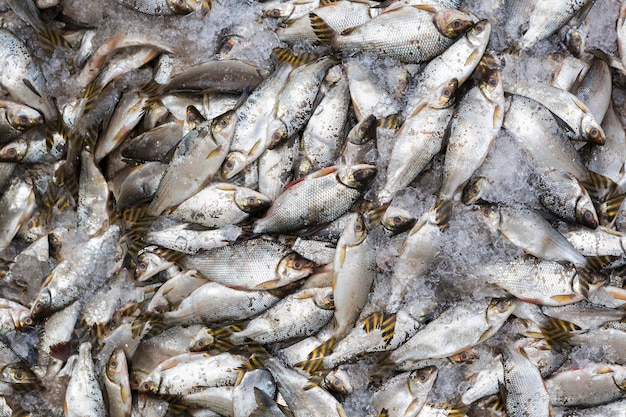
(312,208)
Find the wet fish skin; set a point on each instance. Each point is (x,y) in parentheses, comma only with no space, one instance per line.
(420,137)
(306,202)
(526,393)
(477,120)
(214,303)
(22,77)
(470,323)
(602,384)
(16,206)
(83,395)
(418,35)
(405,394)
(160,7)
(116,382)
(546,18)
(263,265)
(300,314)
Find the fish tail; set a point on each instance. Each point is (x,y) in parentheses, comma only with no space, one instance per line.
(51,39)
(92,92)
(325,34)
(310,366)
(287,55)
(205,7)
(588,279)
(385,322)
(608,209)
(443,211)
(604,193)
(391,121)
(598,263)
(316,378)
(323,349)
(258,356)
(373,213)
(557,333)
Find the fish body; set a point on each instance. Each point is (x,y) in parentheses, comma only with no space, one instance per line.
(83,396)
(526,393)
(262,264)
(318,198)
(417,35)
(160,7)
(404,395)
(462,326)
(419,139)
(22,77)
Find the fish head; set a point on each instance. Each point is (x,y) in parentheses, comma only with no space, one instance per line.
(293,267)
(202,340)
(151,383)
(21,317)
(364,131)
(41,305)
(452,23)
(24,118)
(491,86)
(397,220)
(277,133)
(422,379)
(136,379)
(234,163)
(18,373)
(250,201)
(181,7)
(324,298)
(223,127)
(355,231)
(479,33)
(158,305)
(338,380)
(444,95)
(117,366)
(147,266)
(499,310)
(473,190)
(592,131)
(575,41)
(14,151)
(356,176)
(585,210)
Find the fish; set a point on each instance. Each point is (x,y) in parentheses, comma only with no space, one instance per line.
(160,7)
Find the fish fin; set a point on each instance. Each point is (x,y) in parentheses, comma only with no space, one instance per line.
(205,8)
(316,379)
(597,263)
(287,55)
(264,403)
(616,292)
(214,153)
(325,34)
(323,349)
(391,121)
(443,211)
(310,365)
(374,214)
(51,39)
(384,367)
(258,355)
(587,279)
(31,87)
(92,92)
(268,285)
(383,413)
(326,2)
(608,209)
(557,332)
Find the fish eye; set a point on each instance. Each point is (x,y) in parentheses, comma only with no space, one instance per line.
(337,382)
(457,24)
(397,220)
(447,92)
(358,227)
(28,321)
(158,310)
(113,363)
(463,356)
(227,46)
(142,266)
(594,133)
(297,265)
(181,3)
(11,152)
(23,119)
(229,165)
(588,216)
(273,13)
(251,200)
(200,343)
(479,27)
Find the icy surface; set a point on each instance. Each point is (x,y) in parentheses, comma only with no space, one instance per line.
(465,245)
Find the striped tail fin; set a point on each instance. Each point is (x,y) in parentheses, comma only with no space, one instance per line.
(443,211)
(557,333)
(51,39)
(322,30)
